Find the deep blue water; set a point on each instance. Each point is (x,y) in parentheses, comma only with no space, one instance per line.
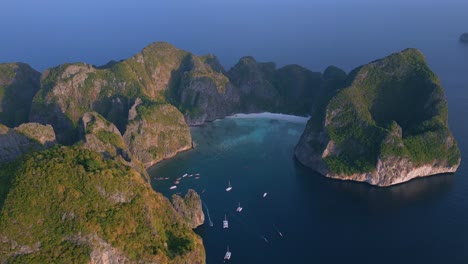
(323,221)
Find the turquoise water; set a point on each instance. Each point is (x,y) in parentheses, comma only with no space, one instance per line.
(321,220)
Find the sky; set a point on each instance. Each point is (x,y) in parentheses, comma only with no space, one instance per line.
(311,33)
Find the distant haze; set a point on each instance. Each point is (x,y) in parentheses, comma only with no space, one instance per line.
(311,33)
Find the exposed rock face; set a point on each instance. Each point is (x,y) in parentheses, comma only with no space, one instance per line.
(203,93)
(197,85)
(23,139)
(18,84)
(464,38)
(158,132)
(389,126)
(190,208)
(102,136)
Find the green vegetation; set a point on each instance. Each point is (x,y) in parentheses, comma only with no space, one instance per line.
(111,138)
(399,91)
(66,201)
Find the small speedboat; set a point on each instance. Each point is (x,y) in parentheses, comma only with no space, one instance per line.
(227,256)
(225,222)
(239,208)
(176,182)
(172,187)
(185,175)
(229,187)
(264,195)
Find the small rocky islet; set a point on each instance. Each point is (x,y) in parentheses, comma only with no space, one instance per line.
(464,38)
(78,133)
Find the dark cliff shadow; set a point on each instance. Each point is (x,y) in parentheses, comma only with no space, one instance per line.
(15,104)
(115,109)
(65,130)
(379,200)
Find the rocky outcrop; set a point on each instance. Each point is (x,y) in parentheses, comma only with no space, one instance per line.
(464,38)
(18,84)
(23,139)
(389,126)
(157,132)
(100,135)
(190,208)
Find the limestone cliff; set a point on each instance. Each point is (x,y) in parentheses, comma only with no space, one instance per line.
(24,139)
(388,126)
(197,85)
(156,132)
(102,136)
(190,208)
(18,84)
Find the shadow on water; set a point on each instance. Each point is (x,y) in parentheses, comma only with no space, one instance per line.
(378,200)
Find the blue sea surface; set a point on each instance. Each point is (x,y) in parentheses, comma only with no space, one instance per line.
(320,220)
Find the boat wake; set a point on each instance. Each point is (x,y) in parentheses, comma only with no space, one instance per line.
(208,214)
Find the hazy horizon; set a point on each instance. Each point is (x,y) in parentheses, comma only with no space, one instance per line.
(313,34)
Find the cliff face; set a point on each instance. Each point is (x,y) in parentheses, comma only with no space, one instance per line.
(389,126)
(197,85)
(157,132)
(126,222)
(190,208)
(23,139)
(18,84)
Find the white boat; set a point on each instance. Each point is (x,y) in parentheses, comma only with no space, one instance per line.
(229,187)
(185,175)
(225,222)
(172,187)
(239,208)
(227,256)
(264,195)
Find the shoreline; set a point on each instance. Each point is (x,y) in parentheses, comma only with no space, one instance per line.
(269,115)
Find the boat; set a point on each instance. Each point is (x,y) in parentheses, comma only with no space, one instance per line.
(227,256)
(203,191)
(196,178)
(229,187)
(264,195)
(197,174)
(172,187)
(185,175)
(176,182)
(277,230)
(225,222)
(239,208)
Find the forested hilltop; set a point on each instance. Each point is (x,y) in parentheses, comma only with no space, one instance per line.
(389,125)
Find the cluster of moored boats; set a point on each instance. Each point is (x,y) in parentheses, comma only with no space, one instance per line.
(177,181)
